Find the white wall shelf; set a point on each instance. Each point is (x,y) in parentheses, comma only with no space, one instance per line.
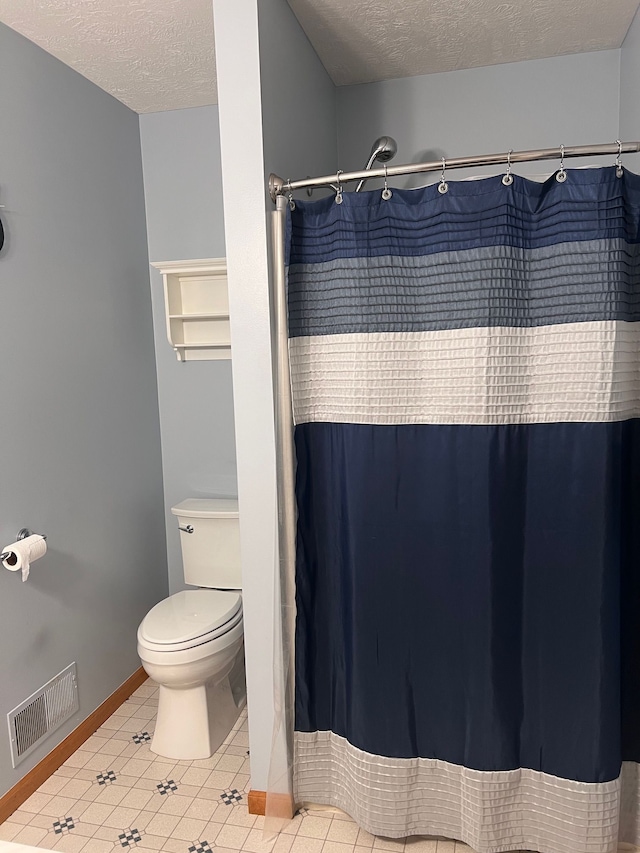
(196,305)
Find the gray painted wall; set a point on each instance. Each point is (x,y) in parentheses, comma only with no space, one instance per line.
(298,98)
(183,195)
(299,137)
(80,448)
(629,88)
(278,113)
(569,100)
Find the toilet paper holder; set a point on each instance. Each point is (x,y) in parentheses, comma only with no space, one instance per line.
(22,534)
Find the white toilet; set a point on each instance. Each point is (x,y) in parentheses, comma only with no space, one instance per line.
(191,643)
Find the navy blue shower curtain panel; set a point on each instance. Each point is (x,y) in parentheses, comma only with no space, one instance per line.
(466,386)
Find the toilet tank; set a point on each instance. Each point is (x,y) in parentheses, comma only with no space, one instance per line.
(211,553)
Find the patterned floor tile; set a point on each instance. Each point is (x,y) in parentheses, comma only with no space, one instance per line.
(120,817)
(8,830)
(167,787)
(314,827)
(76,788)
(69,772)
(241,782)
(63,825)
(163,824)
(232,836)
(96,845)
(255,843)
(52,785)
(129,837)
(115,795)
(219,779)
(337,847)
(113,723)
(232,749)
(138,799)
(238,816)
(306,845)
(86,775)
(88,830)
(241,738)
(60,806)
(39,820)
(188,829)
(211,832)
(175,805)
(231,797)
(143,783)
(107,777)
(345,832)
(70,843)
(392,845)
(135,767)
(201,809)
(112,796)
(143,716)
(283,844)
(135,725)
(98,761)
(151,842)
(124,710)
(120,735)
(30,835)
(97,813)
(189,790)
(36,802)
(206,763)
(118,764)
(195,776)
(23,818)
(230,762)
(364,839)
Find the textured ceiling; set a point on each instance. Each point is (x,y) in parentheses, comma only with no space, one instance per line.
(158,54)
(150,54)
(360,41)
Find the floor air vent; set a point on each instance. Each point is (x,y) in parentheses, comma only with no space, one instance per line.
(42,713)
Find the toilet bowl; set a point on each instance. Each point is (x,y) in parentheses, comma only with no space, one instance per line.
(191,645)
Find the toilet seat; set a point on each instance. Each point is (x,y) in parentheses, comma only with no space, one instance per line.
(190,618)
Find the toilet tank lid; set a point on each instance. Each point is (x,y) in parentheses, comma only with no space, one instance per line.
(207,508)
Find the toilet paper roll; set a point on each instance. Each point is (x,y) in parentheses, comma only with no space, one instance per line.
(23,553)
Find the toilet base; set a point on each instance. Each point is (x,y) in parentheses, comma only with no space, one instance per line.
(185,729)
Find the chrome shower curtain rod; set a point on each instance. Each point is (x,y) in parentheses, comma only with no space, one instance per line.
(278,186)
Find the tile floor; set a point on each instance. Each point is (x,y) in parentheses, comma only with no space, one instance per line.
(114,794)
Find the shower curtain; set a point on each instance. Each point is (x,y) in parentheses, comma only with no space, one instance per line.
(465,374)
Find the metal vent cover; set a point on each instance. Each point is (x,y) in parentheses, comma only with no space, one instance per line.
(42,713)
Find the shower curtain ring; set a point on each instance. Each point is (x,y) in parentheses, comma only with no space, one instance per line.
(507,179)
(561,176)
(619,169)
(292,204)
(443,186)
(339,191)
(386,192)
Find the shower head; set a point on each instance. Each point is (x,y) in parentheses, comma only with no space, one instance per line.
(383,149)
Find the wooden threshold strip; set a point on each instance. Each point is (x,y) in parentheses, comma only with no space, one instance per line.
(280,805)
